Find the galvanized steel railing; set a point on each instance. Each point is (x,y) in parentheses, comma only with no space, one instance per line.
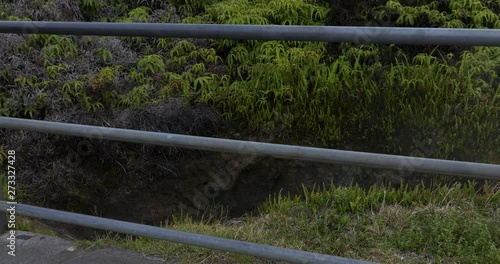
(384,35)
(373,160)
(417,36)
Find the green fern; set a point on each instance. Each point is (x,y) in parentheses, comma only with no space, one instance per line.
(24,82)
(198,69)
(497,24)
(162,43)
(151,64)
(237,55)
(406,19)
(54,71)
(202,83)
(182,48)
(473,5)
(136,76)
(248,20)
(455,23)
(104,79)
(140,95)
(395,5)
(72,89)
(140,14)
(105,54)
(208,55)
(485,17)
(86,102)
(91,7)
(192,6)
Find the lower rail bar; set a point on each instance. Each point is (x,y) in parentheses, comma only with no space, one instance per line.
(247,248)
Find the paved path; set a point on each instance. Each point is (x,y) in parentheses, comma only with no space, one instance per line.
(32,248)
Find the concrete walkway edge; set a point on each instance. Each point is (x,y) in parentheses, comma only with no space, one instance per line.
(42,249)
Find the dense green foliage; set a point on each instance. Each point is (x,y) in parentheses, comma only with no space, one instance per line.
(369,97)
(454,14)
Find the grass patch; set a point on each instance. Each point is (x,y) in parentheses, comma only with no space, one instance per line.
(449,224)
(28,224)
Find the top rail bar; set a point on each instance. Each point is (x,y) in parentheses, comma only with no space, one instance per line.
(383,35)
(401,163)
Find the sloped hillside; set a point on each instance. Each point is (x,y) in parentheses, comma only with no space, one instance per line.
(432,101)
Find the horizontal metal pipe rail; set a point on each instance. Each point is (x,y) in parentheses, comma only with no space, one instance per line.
(401,163)
(384,35)
(248,248)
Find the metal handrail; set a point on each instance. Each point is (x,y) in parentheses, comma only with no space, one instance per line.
(363,159)
(384,35)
